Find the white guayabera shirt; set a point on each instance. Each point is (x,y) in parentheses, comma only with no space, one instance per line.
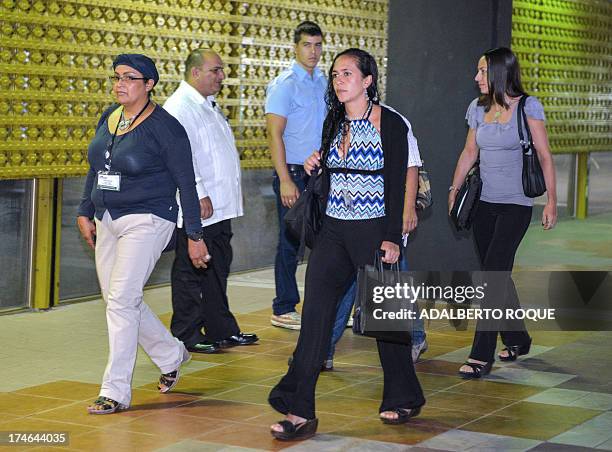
(414,157)
(216,162)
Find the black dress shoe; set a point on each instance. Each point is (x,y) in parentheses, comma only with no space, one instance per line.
(204,347)
(238,339)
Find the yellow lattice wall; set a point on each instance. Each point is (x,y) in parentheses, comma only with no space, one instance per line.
(55,59)
(565,50)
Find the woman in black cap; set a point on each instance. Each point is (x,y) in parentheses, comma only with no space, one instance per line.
(138,158)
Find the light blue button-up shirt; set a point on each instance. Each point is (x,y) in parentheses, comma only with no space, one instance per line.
(300,98)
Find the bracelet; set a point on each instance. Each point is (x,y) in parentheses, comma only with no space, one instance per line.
(452,187)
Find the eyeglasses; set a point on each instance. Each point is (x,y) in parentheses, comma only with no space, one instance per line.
(125,78)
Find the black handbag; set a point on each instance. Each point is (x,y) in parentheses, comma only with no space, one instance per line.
(303,220)
(466,202)
(366,321)
(423,197)
(534,184)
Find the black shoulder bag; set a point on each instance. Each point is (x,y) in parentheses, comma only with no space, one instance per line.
(466,202)
(534,184)
(304,218)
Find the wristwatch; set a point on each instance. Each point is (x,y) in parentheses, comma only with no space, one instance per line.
(196,236)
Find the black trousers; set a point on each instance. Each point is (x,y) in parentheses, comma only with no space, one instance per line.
(498,231)
(199,296)
(341,247)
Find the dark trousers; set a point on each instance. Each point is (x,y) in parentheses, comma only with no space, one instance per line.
(285,263)
(199,296)
(341,247)
(498,231)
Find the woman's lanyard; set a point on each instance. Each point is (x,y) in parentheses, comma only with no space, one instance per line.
(109,149)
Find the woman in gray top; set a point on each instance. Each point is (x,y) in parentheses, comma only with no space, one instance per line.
(504,212)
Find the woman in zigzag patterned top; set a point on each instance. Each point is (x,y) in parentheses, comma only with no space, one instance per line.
(364,149)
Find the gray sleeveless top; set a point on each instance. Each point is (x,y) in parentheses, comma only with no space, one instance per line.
(501,159)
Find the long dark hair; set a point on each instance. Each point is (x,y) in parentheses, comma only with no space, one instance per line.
(336,114)
(503,77)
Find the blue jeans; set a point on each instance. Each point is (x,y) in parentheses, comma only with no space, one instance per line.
(285,263)
(345,306)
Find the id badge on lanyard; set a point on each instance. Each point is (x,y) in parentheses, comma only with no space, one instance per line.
(109,180)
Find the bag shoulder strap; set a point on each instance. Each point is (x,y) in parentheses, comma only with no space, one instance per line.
(521,117)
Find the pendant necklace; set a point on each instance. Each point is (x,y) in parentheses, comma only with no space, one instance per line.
(497,115)
(109,149)
(346,194)
(125,124)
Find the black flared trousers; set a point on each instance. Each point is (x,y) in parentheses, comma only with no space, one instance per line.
(341,247)
(498,231)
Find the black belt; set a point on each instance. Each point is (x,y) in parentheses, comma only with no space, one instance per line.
(295,168)
(356,171)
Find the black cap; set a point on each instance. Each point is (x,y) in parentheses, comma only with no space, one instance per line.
(141,63)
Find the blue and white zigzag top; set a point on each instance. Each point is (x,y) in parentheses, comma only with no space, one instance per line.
(357,196)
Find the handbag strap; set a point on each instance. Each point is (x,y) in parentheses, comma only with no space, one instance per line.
(379,264)
(475,169)
(521,117)
(312,178)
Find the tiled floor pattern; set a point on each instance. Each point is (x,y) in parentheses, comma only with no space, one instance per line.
(557,398)
(571,245)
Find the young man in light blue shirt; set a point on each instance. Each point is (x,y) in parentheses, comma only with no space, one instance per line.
(295,111)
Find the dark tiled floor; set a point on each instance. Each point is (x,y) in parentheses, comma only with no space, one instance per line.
(225,403)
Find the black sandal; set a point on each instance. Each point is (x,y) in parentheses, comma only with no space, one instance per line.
(514,351)
(403,415)
(296,432)
(168,381)
(107,406)
(478,370)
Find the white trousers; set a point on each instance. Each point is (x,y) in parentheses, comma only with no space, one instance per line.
(127,250)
